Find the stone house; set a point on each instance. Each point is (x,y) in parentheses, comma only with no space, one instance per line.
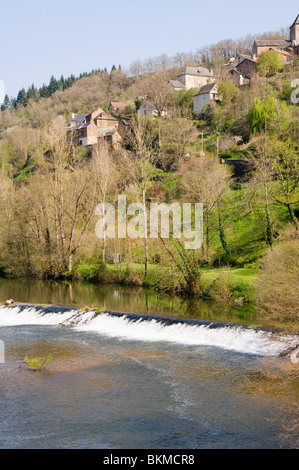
(195,77)
(290,45)
(86,129)
(234,76)
(206,94)
(176,85)
(294,32)
(246,67)
(262,45)
(113,138)
(148,108)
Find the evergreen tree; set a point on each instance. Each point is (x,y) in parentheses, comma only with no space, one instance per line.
(33,93)
(6,103)
(53,85)
(22,98)
(44,91)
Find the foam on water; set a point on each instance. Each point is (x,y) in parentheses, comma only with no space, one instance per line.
(154,328)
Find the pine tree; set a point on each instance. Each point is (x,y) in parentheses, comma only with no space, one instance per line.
(6,103)
(22,98)
(44,91)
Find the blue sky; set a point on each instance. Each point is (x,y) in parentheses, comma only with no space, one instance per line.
(57,37)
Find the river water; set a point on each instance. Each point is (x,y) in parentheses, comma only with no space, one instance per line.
(158,380)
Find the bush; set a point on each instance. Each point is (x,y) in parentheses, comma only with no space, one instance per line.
(131,277)
(241,290)
(90,270)
(224,289)
(277,286)
(35,363)
(269,63)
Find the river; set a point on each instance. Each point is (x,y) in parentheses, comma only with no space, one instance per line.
(163,379)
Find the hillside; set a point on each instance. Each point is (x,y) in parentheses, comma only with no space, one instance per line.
(50,187)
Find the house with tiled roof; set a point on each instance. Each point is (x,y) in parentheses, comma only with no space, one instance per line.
(116,107)
(176,85)
(290,45)
(262,45)
(207,93)
(86,129)
(246,67)
(294,31)
(195,77)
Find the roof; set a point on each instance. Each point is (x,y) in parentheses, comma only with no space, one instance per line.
(206,89)
(105,115)
(233,69)
(176,84)
(296,21)
(79,117)
(250,60)
(112,132)
(272,42)
(245,56)
(283,52)
(126,122)
(117,104)
(149,105)
(201,71)
(79,126)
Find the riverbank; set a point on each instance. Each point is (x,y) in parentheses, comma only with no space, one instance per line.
(131,299)
(223,284)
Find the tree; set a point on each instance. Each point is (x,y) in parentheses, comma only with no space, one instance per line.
(155,87)
(285,165)
(205,180)
(227,90)
(175,140)
(6,103)
(22,98)
(262,175)
(33,93)
(269,63)
(103,170)
(268,115)
(142,143)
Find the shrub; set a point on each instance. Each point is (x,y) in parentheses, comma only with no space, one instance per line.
(277,286)
(90,270)
(35,363)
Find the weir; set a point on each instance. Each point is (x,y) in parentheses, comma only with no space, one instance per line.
(246,339)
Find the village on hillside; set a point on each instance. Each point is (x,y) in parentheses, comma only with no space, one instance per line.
(86,129)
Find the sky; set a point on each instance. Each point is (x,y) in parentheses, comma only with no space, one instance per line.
(63,37)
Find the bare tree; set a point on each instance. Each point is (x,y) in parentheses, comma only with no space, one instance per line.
(205,180)
(104,170)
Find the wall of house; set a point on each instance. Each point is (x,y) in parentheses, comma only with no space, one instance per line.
(246,68)
(257,50)
(294,33)
(92,134)
(82,141)
(194,81)
(105,125)
(234,77)
(199,102)
(145,111)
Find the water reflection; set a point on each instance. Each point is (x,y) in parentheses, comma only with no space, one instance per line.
(120,298)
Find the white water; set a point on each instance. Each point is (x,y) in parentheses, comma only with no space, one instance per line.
(236,338)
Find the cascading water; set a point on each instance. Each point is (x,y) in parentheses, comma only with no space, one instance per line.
(154,328)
